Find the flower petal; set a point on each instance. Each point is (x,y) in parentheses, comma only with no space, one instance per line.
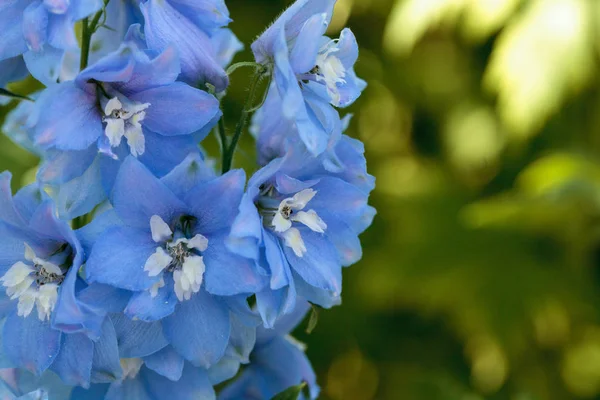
(199,329)
(30,343)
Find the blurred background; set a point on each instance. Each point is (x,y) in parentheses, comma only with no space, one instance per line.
(481,273)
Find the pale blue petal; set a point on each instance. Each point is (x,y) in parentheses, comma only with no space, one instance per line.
(166,362)
(212,215)
(106,366)
(30,343)
(199,329)
(74,362)
(119,257)
(138,195)
(68,118)
(137,338)
(177,109)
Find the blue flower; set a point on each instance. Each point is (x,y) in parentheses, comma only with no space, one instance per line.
(40,31)
(45,324)
(126,103)
(190,27)
(277,363)
(166,243)
(310,70)
(144,379)
(301,222)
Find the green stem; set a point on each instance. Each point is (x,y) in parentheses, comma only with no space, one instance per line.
(88,29)
(242,64)
(222,135)
(228,155)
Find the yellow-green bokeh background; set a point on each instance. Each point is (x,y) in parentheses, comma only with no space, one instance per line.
(481,273)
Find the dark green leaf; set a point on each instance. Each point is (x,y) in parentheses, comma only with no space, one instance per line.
(292,393)
(8,93)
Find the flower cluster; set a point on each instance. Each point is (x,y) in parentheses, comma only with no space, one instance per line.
(131,268)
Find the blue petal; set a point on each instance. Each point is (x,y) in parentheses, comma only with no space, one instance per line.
(82,194)
(285,325)
(303,56)
(61,32)
(144,307)
(193,385)
(345,240)
(117,66)
(342,200)
(128,389)
(137,338)
(290,24)
(226,45)
(80,9)
(177,109)
(278,365)
(212,215)
(224,370)
(199,329)
(28,199)
(95,392)
(166,362)
(190,173)
(164,25)
(119,257)
(208,15)
(228,274)
(45,65)
(89,234)
(138,195)
(246,229)
(272,304)
(11,14)
(104,299)
(320,266)
(279,267)
(322,297)
(158,71)
(62,166)
(163,153)
(241,340)
(74,362)
(106,365)
(68,118)
(8,211)
(11,70)
(30,343)
(35,24)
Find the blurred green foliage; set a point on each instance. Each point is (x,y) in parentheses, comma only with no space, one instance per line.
(480,277)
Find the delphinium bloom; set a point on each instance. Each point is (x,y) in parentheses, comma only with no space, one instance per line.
(127,103)
(277,363)
(166,244)
(191,27)
(39,32)
(311,71)
(301,223)
(45,325)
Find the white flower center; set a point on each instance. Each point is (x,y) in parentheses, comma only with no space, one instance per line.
(131,367)
(177,256)
(122,118)
(330,70)
(291,210)
(34,284)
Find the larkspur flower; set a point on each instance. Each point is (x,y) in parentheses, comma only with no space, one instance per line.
(301,222)
(45,325)
(39,32)
(190,27)
(127,103)
(311,71)
(277,363)
(165,242)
